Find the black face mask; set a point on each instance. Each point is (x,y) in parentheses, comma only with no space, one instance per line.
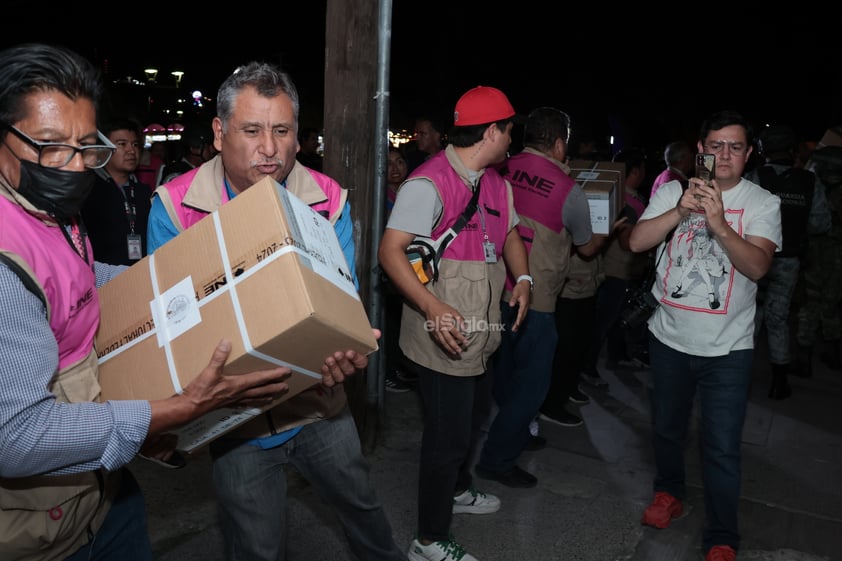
(59,193)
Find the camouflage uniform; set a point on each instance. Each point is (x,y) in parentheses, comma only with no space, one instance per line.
(822,276)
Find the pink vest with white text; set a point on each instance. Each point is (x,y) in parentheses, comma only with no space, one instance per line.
(46,518)
(68,281)
(540,188)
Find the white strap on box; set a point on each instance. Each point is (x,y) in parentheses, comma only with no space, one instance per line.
(238,311)
(166,331)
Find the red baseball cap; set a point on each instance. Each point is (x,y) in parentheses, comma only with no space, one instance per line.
(481,105)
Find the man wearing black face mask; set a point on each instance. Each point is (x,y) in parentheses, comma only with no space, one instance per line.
(64,490)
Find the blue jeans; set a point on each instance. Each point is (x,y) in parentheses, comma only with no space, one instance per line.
(521,372)
(252,490)
(723,385)
(124,535)
(455,409)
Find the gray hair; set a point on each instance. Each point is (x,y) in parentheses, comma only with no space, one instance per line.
(269,81)
(676,151)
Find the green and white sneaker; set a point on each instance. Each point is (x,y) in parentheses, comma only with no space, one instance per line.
(475,502)
(439,551)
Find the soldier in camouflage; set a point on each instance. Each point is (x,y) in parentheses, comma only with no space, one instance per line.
(820,313)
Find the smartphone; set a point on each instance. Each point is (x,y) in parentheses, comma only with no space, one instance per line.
(705,165)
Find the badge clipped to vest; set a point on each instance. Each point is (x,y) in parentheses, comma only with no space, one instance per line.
(490,252)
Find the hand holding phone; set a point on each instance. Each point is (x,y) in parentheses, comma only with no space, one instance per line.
(705,166)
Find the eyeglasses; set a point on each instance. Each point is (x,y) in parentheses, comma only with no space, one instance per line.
(716,147)
(58,155)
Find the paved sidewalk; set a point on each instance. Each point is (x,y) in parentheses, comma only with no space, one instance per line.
(594,482)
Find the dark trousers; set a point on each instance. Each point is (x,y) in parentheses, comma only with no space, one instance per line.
(574,324)
(455,409)
(610,299)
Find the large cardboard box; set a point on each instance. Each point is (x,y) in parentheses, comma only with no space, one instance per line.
(264,271)
(832,137)
(603,183)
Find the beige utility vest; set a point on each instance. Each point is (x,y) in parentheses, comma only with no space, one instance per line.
(47,518)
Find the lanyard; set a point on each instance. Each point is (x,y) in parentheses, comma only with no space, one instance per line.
(129,204)
(482,223)
(75,234)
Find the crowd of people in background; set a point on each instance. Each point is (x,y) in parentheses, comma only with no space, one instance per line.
(781,199)
(755,252)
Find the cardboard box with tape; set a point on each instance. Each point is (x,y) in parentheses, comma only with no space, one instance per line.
(603,183)
(264,271)
(831,137)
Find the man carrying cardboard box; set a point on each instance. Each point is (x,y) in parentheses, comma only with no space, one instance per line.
(64,490)
(256,133)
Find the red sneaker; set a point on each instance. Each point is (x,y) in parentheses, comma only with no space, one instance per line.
(661,512)
(721,553)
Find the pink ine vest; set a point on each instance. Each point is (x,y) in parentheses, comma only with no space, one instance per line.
(188,216)
(454,193)
(466,280)
(539,189)
(178,188)
(68,282)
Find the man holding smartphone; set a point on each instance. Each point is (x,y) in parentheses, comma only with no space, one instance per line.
(727,230)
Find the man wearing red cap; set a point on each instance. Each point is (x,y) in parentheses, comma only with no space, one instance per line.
(451,325)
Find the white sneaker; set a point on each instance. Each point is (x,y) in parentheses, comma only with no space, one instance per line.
(534,428)
(475,502)
(439,551)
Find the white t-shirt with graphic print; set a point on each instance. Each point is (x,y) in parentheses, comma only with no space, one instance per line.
(707,306)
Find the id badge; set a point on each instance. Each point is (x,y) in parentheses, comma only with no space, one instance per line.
(490,252)
(135,248)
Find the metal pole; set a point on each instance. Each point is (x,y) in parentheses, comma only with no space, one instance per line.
(377,364)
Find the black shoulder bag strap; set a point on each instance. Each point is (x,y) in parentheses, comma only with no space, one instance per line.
(650,278)
(460,223)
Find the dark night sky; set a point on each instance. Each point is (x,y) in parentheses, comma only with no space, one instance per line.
(625,72)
